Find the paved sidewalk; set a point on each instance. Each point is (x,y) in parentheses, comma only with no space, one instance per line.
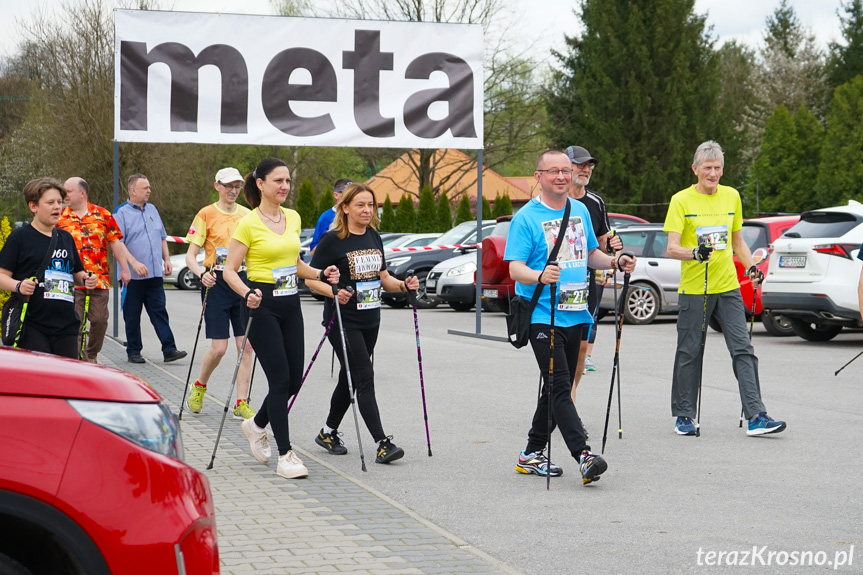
(327,523)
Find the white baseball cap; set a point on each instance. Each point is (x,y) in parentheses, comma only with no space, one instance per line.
(228,175)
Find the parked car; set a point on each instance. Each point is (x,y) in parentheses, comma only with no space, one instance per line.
(497,285)
(421,262)
(93,479)
(813,273)
(411,240)
(453,281)
(181,276)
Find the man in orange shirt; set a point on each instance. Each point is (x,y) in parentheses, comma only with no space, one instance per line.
(95,230)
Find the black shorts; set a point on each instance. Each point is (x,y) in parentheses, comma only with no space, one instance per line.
(224,309)
(594,297)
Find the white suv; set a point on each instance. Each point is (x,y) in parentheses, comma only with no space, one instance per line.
(814,270)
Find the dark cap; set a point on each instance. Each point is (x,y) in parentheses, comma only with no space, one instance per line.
(340,187)
(578,155)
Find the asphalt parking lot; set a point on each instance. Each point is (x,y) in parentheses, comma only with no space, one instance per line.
(666,501)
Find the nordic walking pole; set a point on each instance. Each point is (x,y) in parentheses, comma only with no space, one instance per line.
(703,342)
(348,370)
(413,300)
(553,292)
(85,328)
(847,364)
(751,325)
(614,370)
(231,389)
(198,335)
(312,362)
(252,376)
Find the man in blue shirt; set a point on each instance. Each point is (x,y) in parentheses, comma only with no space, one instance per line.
(326,219)
(144,236)
(532,236)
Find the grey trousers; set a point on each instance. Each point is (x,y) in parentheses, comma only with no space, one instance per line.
(728,309)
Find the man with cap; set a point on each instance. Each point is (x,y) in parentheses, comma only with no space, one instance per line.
(212,229)
(583,165)
(326,219)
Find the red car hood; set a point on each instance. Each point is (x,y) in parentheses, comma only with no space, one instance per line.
(30,373)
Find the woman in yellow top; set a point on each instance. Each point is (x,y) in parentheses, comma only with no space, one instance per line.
(268,239)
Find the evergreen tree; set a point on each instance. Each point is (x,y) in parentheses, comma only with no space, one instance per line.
(444,213)
(486,209)
(737,66)
(502,206)
(326,201)
(463,213)
(639,87)
(846,61)
(841,170)
(426,217)
(388,216)
(306,205)
(406,217)
(5,230)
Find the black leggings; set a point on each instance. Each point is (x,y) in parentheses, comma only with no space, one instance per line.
(276,334)
(361,345)
(567,341)
(34,339)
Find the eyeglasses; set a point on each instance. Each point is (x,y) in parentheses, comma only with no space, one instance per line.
(555,173)
(236,188)
(585,166)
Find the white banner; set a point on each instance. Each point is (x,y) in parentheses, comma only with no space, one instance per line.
(271,80)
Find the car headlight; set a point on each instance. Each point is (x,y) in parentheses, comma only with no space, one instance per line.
(466,268)
(150,425)
(396,262)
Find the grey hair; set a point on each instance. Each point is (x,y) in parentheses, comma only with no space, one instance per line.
(708,151)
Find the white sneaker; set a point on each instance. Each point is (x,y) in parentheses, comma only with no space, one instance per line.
(258,441)
(291,467)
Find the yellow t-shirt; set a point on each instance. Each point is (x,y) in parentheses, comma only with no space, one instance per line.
(713,219)
(213,228)
(268,250)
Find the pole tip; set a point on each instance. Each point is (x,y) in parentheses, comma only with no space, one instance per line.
(430,454)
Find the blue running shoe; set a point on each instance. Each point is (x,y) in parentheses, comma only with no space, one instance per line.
(684,426)
(536,463)
(763,424)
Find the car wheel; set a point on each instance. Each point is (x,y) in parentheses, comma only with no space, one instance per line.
(494,305)
(461,306)
(776,325)
(642,304)
(424,301)
(396,303)
(814,331)
(187,280)
(9,566)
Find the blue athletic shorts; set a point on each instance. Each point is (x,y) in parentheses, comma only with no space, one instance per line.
(224,309)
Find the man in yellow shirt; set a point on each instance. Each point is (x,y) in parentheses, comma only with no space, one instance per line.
(704,224)
(212,229)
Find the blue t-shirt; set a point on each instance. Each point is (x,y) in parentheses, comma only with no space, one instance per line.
(323,225)
(532,235)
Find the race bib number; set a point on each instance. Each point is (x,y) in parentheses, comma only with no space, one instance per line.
(715,236)
(59,286)
(285,281)
(572,297)
(369,295)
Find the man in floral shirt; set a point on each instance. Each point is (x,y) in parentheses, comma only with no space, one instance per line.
(95,230)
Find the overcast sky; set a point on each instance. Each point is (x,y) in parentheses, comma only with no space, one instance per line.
(545,20)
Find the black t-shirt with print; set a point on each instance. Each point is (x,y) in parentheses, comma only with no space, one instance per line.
(22,253)
(360,260)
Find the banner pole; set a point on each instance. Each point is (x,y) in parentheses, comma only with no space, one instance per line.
(116,205)
(479,203)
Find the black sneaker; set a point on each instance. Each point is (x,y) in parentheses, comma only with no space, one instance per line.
(331,442)
(174,355)
(591,467)
(388,451)
(135,358)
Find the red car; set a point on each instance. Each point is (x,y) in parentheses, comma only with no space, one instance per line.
(92,479)
(497,286)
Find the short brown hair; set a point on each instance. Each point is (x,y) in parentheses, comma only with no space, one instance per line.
(133,179)
(34,189)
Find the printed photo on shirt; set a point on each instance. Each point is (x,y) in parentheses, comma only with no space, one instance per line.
(573,248)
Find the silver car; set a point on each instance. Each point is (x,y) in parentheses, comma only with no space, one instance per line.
(654,283)
(181,276)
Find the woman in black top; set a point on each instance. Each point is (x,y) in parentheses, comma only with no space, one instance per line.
(355,247)
(51,324)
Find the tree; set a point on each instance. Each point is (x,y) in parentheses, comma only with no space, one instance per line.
(5,230)
(486,208)
(326,201)
(406,217)
(463,213)
(846,61)
(841,169)
(502,206)
(638,87)
(426,217)
(388,216)
(737,66)
(443,213)
(306,205)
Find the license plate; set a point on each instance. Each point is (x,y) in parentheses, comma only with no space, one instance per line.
(792,261)
(489,293)
(430,284)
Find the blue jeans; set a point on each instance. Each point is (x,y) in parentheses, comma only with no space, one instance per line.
(149,294)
